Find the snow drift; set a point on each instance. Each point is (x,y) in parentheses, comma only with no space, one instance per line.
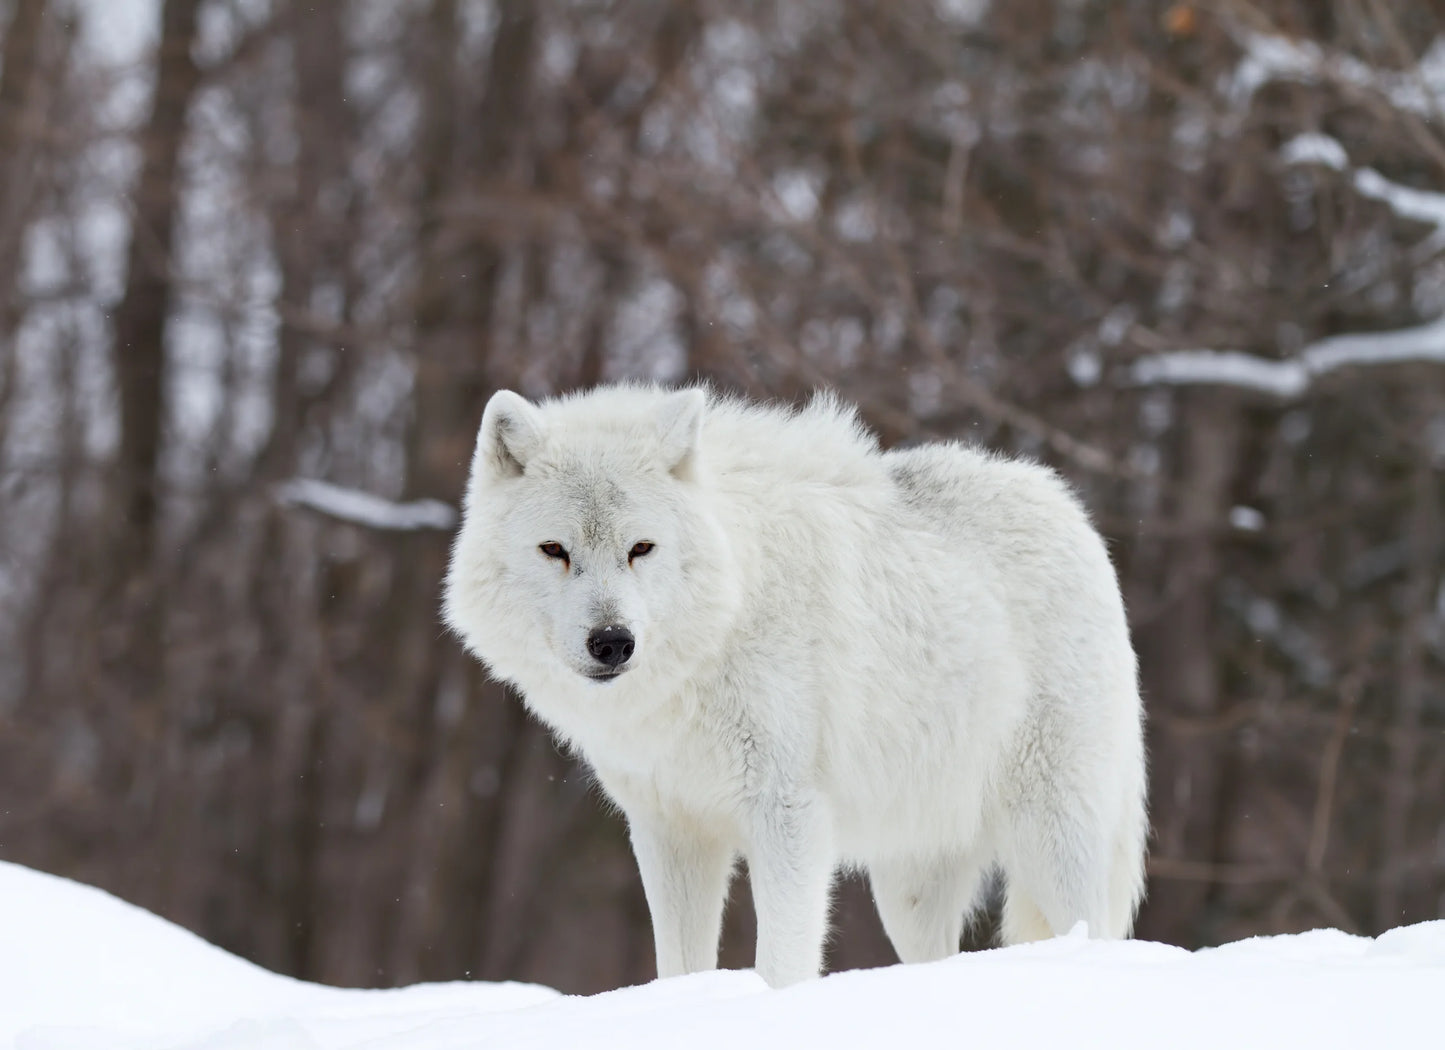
(80,969)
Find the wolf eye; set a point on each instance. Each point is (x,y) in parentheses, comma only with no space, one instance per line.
(640,549)
(553,550)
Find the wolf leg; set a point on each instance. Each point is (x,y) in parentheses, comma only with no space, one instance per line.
(790,863)
(685,874)
(923,904)
(1022,920)
(1056,873)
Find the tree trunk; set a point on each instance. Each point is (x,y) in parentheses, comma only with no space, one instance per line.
(1176,651)
(455,368)
(132,613)
(140,317)
(17,176)
(1401,775)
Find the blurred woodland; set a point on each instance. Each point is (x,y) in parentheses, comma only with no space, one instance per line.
(1191,254)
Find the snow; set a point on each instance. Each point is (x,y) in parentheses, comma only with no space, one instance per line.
(1283,379)
(1312,147)
(1423,205)
(362,508)
(81,970)
(1246,519)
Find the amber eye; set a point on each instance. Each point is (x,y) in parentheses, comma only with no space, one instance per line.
(639,550)
(553,550)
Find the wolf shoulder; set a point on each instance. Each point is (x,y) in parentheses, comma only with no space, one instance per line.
(958,487)
(822,454)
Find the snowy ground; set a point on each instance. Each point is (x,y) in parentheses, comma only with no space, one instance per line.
(80,969)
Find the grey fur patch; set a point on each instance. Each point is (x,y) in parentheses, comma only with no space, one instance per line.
(600,500)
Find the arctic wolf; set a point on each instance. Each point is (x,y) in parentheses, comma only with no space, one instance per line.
(771,639)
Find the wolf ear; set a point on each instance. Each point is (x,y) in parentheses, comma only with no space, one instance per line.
(511,434)
(679,424)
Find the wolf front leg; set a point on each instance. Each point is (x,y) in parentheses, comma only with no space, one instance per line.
(790,863)
(685,874)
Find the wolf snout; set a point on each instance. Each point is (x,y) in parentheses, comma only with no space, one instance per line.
(611,646)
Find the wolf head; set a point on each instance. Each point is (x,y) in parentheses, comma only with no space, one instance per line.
(587,552)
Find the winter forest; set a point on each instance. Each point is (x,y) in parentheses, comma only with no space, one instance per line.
(263,261)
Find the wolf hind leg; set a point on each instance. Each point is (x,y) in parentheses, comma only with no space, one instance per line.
(1056,866)
(1022,920)
(1127,870)
(924,903)
(1067,863)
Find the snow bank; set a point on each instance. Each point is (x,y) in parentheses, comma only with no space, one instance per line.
(80,969)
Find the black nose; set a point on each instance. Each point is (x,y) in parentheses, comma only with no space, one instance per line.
(611,645)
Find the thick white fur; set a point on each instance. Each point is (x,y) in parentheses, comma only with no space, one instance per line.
(913,662)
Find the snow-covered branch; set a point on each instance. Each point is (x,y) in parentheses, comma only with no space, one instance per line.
(1268,58)
(362,508)
(1283,379)
(1425,206)
(1291,377)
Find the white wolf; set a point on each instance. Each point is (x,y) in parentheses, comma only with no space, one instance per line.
(770,638)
